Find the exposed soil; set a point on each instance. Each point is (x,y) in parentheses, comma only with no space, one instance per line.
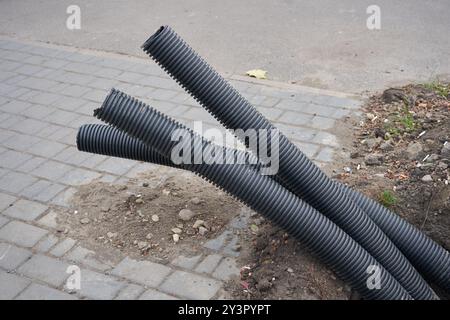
(140,220)
(401,156)
(275,266)
(382,164)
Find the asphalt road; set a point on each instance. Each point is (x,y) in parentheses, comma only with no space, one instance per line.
(321,43)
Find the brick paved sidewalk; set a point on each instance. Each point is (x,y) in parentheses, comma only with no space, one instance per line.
(46,93)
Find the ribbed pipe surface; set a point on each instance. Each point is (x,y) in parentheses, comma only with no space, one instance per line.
(296,171)
(349,260)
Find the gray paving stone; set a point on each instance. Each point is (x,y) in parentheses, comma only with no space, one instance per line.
(230,248)
(61,248)
(325,155)
(63,198)
(45,98)
(46,243)
(15,181)
(15,106)
(227,269)
(31,164)
(30,126)
(98,286)
(75,90)
(322,123)
(209,263)
(61,117)
(10,121)
(326,138)
(48,270)
(11,285)
(152,294)
(3,221)
(143,272)
(186,262)
(25,210)
(87,258)
(295,118)
(11,257)
(49,220)
(130,77)
(21,234)
(158,82)
(308,149)
(42,190)
(190,286)
(219,242)
(6,200)
(79,176)
(39,112)
(39,292)
(47,148)
(37,83)
(116,166)
(270,113)
(52,170)
(129,292)
(28,69)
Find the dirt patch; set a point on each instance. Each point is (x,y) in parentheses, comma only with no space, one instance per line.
(401,156)
(276,266)
(142,220)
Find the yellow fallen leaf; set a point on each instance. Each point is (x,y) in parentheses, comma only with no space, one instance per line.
(257,73)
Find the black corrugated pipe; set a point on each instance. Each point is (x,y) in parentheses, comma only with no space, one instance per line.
(261,193)
(298,174)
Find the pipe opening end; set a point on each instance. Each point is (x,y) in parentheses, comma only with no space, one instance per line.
(153,36)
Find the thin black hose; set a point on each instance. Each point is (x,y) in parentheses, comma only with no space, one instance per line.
(298,174)
(349,260)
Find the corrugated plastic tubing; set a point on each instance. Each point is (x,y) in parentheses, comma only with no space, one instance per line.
(300,175)
(261,193)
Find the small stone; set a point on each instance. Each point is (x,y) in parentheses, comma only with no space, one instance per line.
(142,244)
(165,192)
(85,221)
(186,214)
(139,200)
(198,224)
(427,178)
(176,230)
(155,218)
(254,228)
(433,158)
(149,236)
(370,116)
(347,169)
(442,165)
(373,159)
(104,209)
(354,155)
(111,234)
(386,146)
(176,237)
(202,231)
(195,200)
(372,142)
(145,184)
(290,270)
(414,150)
(445,151)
